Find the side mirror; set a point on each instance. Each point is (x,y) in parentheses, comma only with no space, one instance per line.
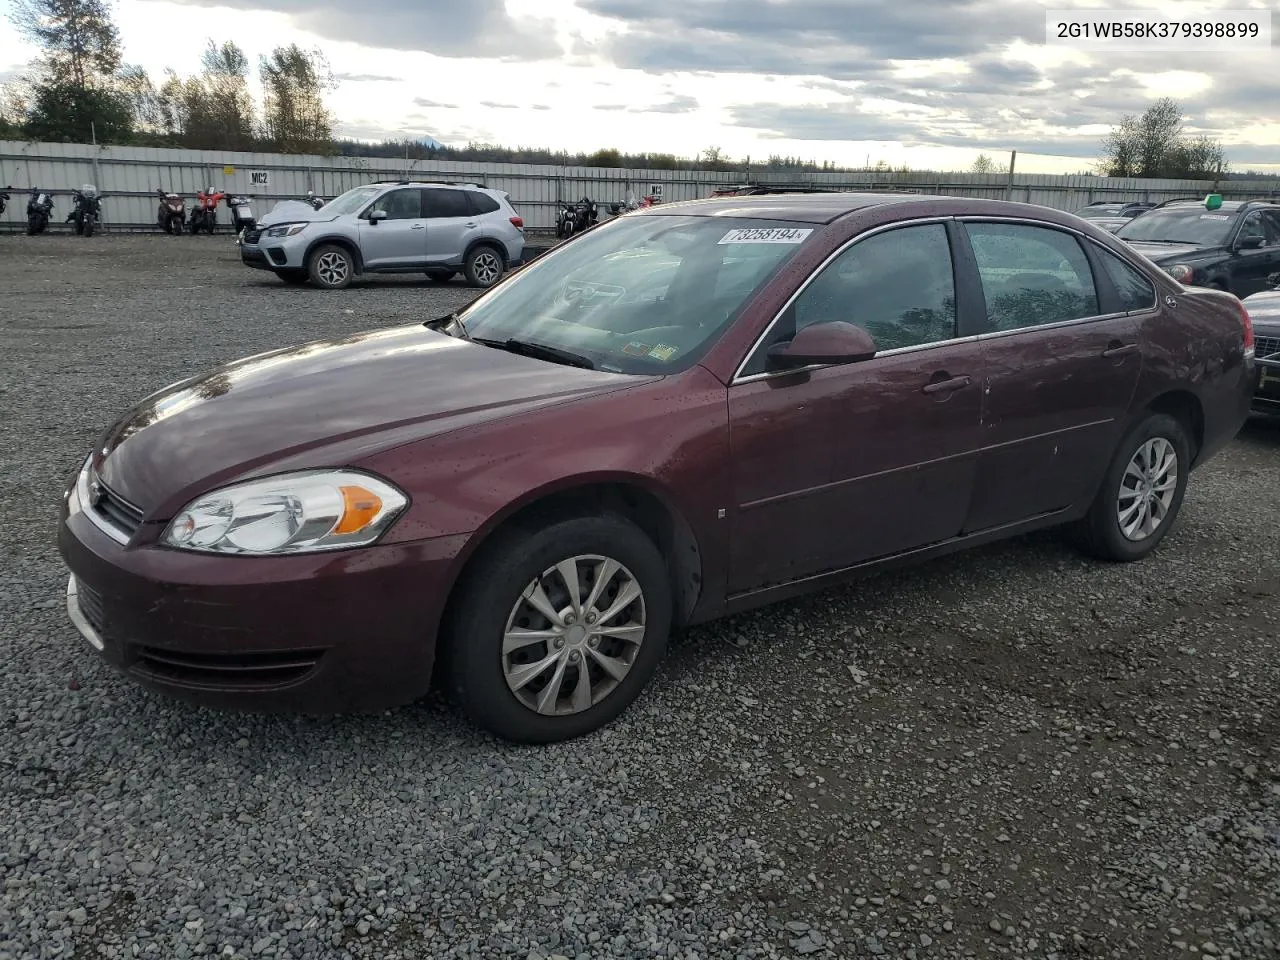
(1250,243)
(377,216)
(823,343)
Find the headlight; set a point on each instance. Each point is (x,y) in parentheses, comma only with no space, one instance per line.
(1181,272)
(286,229)
(292,513)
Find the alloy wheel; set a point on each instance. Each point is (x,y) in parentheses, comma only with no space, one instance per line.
(573,635)
(487,268)
(1147,489)
(332,268)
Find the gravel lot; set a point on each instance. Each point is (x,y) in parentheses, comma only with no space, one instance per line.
(1015,752)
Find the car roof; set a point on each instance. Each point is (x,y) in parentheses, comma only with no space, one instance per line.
(800,207)
(1231,205)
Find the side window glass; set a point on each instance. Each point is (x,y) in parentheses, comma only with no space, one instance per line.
(446,203)
(400,205)
(1136,291)
(1252,226)
(1031,275)
(482,203)
(1271,223)
(897,285)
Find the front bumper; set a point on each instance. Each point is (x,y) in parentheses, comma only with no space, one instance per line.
(325,633)
(1266,398)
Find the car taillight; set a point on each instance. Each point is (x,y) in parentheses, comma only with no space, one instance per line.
(1248,328)
(517,222)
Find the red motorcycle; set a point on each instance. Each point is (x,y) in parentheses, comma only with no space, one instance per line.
(204,215)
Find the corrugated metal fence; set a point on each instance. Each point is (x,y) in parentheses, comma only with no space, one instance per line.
(130,176)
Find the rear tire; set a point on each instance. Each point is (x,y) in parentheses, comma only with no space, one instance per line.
(331,267)
(484,266)
(480,665)
(1142,492)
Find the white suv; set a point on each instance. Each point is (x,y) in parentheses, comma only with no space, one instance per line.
(407,227)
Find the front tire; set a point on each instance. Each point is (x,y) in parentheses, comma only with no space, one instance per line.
(484,267)
(558,628)
(88,226)
(331,267)
(1141,493)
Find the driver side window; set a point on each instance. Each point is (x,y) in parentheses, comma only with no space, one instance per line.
(899,286)
(400,205)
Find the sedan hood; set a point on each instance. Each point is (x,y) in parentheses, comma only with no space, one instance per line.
(1171,252)
(323,404)
(1264,310)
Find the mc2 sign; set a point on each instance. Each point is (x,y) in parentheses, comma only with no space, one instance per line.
(259,178)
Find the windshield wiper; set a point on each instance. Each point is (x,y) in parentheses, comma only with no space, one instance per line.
(538,351)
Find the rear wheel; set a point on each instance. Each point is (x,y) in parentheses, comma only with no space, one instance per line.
(331,267)
(484,267)
(1142,492)
(440,274)
(558,629)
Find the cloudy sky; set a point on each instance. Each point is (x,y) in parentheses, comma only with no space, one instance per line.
(930,83)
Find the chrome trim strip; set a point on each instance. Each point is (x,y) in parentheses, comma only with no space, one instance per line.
(78,619)
(764,335)
(896,351)
(996,334)
(82,502)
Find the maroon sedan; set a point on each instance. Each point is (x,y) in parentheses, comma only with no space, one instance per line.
(680,414)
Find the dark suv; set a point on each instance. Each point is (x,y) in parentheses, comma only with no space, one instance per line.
(1232,245)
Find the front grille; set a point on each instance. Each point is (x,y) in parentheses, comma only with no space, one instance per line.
(90,602)
(1264,347)
(252,235)
(116,510)
(218,671)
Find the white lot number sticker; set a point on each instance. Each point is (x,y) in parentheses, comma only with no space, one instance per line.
(1214,216)
(767,235)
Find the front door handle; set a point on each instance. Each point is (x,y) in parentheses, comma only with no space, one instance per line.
(418,226)
(946,386)
(1120,350)
(470,226)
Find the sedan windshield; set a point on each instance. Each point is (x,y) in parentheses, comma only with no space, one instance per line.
(351,201)
(1194,225)
(640,294)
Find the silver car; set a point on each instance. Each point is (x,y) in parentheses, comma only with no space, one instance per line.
(407,227)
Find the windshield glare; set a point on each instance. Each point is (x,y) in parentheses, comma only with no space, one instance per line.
(351,201)
(1196,225)
(640,294)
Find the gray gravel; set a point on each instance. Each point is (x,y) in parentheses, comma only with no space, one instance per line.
(1013,753)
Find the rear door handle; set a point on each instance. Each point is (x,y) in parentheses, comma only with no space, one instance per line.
(1120,350)
(946,386)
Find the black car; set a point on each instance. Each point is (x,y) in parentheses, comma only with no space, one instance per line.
(1112,215)
(1264,310)
(1233,245)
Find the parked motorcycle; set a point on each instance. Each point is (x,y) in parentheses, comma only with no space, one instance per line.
(315,201)
(39,210)
(241,215)
(576,217)
(171,214)
(204,215)
(86,210)
(4,198)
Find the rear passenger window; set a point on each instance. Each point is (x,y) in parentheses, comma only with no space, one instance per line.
(445,203)
(1136,291)
(1031,275)
(483,203)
